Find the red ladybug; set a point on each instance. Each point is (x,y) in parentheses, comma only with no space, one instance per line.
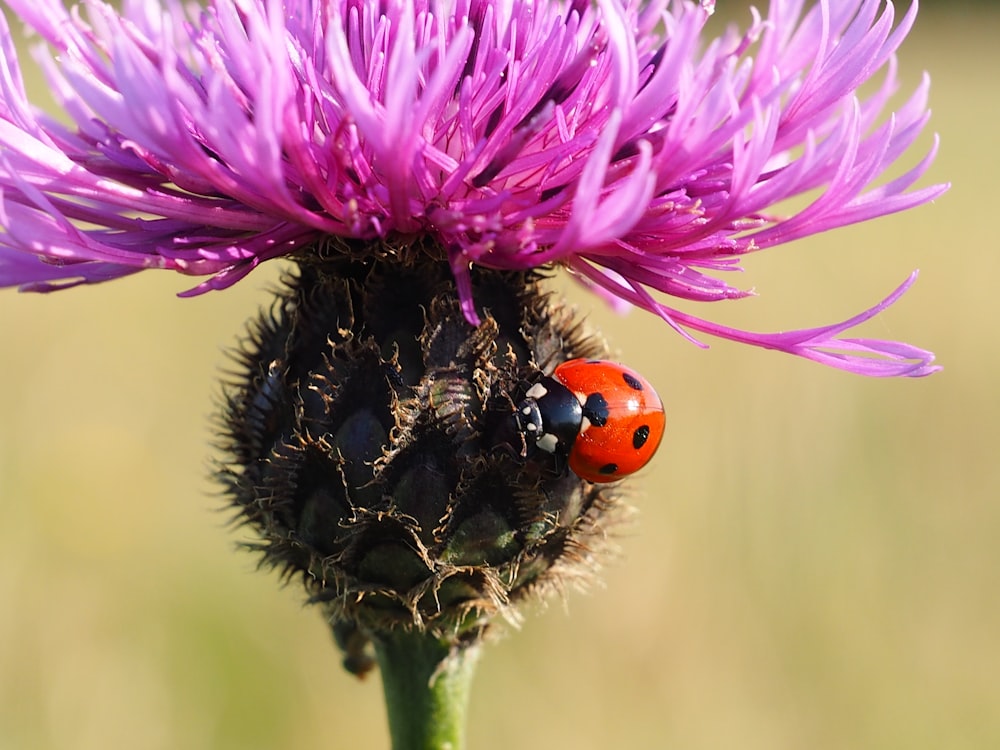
(603,418)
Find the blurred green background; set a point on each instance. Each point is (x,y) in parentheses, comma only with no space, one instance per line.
(816,562)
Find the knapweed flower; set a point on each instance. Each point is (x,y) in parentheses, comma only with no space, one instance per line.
(607,137)
(424,164)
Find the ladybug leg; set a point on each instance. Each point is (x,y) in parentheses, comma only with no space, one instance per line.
(510,431)
(560,464)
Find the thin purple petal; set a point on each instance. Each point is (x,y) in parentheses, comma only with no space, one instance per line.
(612,138)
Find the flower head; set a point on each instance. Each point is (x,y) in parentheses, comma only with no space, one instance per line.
(610,138)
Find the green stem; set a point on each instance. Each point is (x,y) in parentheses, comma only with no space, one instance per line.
(426,690)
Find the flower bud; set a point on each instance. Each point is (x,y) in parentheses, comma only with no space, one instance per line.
(370,446)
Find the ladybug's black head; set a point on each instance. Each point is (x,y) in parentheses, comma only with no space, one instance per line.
(549,416)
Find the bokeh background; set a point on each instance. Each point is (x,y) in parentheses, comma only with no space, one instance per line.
(815,564)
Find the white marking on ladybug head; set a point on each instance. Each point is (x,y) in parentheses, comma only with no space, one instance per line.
(536,391)
(547,442)
(584,425)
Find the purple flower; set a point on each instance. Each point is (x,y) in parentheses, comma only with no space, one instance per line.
(610,138)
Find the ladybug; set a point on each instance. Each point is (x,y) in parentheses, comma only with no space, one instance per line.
(602,418)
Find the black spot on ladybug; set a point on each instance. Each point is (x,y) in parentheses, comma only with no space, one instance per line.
(596,410)
(631,381)
(640,436)
(608,469)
